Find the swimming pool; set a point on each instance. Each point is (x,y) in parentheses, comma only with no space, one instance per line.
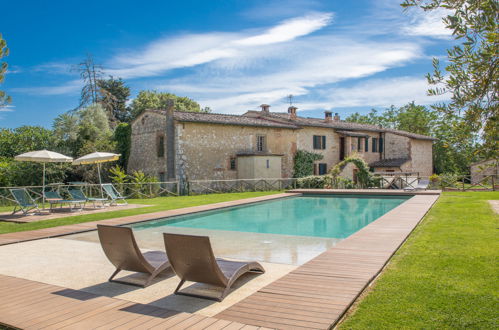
(326,216)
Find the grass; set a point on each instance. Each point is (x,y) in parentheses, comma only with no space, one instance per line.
(444,276)
(157,204)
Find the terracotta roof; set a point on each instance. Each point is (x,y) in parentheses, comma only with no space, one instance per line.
(391,162)
(338,125)
(349,133)
(248,154)
(224,119)
(282,120)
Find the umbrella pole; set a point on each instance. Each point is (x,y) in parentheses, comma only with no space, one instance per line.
(43,187)
(100,181)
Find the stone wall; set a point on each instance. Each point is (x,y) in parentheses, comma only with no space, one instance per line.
(146,130)
(422,157)
(331,155)
(397,146)
(204,150)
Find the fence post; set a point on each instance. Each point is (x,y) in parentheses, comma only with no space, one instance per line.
(493,182)
(462,179)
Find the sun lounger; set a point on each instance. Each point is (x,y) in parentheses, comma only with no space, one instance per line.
(54,198)
(77,194)
(192,259)
(422,185)
(24,201)
(113,194)
(122,250)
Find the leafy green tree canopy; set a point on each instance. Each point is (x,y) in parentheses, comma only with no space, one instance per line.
(4,51)
(158,100)
(113,95)
(472,75)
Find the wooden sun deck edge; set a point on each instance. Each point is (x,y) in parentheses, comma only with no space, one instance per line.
(390,192)
(51,232)
(326,279)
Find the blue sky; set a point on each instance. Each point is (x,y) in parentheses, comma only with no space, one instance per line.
(232,56)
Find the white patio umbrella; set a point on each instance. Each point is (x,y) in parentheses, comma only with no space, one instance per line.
(43,156)
(97,158)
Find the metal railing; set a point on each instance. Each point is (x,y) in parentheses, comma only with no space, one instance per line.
(128,190)
(200,187)
(388,180)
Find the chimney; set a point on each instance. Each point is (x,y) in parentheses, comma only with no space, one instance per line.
(292,112)
(265,108)
(336,117)
(328,116)
(170,140)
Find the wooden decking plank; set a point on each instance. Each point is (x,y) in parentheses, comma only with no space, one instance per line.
(195,318)
(273,324)
(218,324)
(283,313)
(203,324)
(166,323)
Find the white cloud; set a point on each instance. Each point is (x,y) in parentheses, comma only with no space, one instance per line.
(428,23)
(299,69)
(67,88)
(383,93)
(288,30)
(7,108)
(195,49)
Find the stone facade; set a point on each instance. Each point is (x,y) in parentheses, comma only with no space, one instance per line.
(210,146)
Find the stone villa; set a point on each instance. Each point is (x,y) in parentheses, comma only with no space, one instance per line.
(261,144)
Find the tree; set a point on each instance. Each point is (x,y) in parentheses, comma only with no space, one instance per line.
(158,100)
(472,76)
(65,128)
(113,95)
(122,136)
(23,139)
(4,51)
(90,73)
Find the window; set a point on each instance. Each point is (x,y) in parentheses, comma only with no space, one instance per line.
(381,144)
(366,145)
(375,145)
(260,143)
(319,142)
(322,168)
(161,146)
(359,144)
(232,163)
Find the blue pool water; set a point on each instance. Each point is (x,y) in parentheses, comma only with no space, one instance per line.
(330,216)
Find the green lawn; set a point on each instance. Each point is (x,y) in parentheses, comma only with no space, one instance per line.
(445,276)
(158,204)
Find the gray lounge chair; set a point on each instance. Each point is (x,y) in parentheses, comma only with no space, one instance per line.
(24,201)
(192,259)
(54,198)
(422,185)
(122,250)
(113,194)
(77,194)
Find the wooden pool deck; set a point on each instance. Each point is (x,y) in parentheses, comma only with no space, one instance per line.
(313,296)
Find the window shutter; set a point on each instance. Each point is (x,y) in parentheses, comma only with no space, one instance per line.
(323,142)
(375,145)
(366,145)
(315,141)
(381,142)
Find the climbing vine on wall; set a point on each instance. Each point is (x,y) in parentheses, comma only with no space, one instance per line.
(364,176)
(304,163)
